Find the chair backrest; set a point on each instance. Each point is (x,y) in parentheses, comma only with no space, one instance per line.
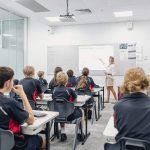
(48,91)
(134,144)
(128,144)
(83,92)
(32,104)
(64,107)
(6,140)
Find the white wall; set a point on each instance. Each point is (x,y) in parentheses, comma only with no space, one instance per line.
(85,35)
(37,45)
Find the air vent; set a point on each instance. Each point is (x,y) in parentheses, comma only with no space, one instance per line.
(83,11)
(32,5)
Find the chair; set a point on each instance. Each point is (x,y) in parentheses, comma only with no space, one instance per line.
(128,144)
(65,108)
(48,91)
(32,104)
(6,140)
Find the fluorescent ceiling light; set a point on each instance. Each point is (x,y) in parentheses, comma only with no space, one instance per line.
(13,45)
(123,14)
(52,19)
(7,35)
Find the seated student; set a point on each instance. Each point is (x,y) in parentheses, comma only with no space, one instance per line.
(64,92)
(132,112)
(12,115)
(71,79)
(31,86)
(42,80)
(83,88)
(53,82)
(90,81)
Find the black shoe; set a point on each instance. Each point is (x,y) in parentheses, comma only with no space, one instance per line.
(63,137)
(80,137)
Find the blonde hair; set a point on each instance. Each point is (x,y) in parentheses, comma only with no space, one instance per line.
(61,78)
(29,71)
(82,82)
(40,73)
(112,59)
(135,80)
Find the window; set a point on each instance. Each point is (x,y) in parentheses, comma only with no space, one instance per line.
(12,41)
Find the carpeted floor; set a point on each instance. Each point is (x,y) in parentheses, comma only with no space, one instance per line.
(95,141)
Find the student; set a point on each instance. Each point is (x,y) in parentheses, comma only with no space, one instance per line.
(71,79)
(42,80)
(90,81)
(63,92)
(12,115)
(31,86)
(132,112)
(83,88)
(53,82)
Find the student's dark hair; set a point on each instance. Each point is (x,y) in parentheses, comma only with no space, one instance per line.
(16,81)
(40,73)
(85,71)
(70,73)
(57,69)
(6,74)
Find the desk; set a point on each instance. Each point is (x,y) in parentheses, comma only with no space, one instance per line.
(39,125)
(81,100)
(47,98)
(110,131)
(96,93)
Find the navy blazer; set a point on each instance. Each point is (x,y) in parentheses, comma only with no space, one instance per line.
(132,116)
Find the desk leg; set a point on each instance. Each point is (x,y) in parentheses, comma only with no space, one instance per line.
(47,134)
(56,132)
(86,125)
(99,106)
(103,98)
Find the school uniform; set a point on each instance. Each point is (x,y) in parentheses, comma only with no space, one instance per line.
(68,94)
(90,83)
(71,81)
(32,88)
(132,116)
(12,116)
(43,83)
(52,84)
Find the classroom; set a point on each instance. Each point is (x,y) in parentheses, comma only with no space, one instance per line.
(74,74)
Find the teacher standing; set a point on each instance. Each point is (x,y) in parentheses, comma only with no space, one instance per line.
(110,79)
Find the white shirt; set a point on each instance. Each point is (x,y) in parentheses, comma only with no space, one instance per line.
(110,69)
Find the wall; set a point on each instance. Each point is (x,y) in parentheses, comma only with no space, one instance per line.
(37,44)
(105,33)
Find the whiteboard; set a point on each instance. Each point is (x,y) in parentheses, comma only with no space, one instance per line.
(67,57)
(95,57)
